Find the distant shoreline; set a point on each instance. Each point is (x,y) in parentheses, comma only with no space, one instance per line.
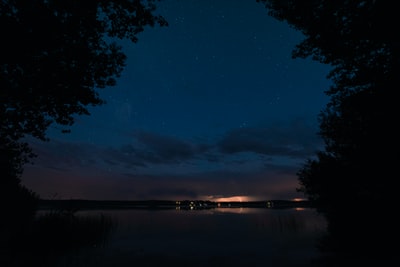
(82,204)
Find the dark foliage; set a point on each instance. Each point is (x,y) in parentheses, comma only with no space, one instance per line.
(55,55)
(352,181)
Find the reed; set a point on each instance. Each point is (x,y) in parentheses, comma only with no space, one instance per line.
(69,230)
(55,234)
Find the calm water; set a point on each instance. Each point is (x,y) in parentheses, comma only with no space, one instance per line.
(217,237)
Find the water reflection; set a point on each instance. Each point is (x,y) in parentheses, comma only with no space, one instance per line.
(214,237)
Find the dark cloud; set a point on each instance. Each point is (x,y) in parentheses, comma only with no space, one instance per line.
(124,156)
(237,147)
(145,149)
(62,155)
(158,148)
(297,141)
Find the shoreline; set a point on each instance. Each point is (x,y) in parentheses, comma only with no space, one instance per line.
(82,204)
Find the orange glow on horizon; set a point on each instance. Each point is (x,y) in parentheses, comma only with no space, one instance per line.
(298,199)
(233,199)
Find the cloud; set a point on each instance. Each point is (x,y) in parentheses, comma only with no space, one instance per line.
(295,141)
(56,154)
(124,156)
(144,150)
(156,148)
(244,162)
(239,149)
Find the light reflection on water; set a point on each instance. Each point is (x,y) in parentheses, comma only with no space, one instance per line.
(215,237)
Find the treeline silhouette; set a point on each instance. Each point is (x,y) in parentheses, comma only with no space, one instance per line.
(351,182)
(55,57)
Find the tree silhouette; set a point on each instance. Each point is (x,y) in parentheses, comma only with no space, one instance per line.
(351,181)
(55,56)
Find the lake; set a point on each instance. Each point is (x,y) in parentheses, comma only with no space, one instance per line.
(212,237)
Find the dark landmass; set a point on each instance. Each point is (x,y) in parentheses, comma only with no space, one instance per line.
(81,204)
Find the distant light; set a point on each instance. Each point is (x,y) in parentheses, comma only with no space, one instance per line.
(233,199)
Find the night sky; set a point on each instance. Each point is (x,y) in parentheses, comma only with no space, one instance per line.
(212,106)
